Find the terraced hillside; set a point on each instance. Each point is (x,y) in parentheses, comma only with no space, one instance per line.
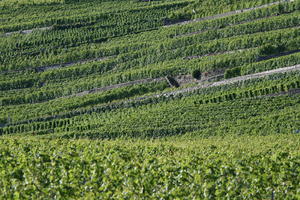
(206,93)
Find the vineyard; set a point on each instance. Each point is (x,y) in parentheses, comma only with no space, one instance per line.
(138,99)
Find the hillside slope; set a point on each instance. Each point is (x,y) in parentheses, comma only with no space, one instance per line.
(138,70)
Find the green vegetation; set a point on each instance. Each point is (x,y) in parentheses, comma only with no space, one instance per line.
(243,167)
(134,99)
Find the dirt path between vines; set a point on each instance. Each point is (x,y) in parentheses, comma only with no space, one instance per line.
(183,79)
(56,66)
(169,94)
(28,31)
(219,83)
(110,87)
(186,79)
(25,32)
(235,80)
(228,13)
(44,68)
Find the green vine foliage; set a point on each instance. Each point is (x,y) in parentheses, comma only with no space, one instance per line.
(88,111)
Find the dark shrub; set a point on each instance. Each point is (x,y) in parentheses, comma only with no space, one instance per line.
(196,74)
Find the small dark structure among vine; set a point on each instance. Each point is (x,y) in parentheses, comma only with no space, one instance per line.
(172,81)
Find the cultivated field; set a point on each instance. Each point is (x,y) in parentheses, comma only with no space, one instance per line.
(138,99)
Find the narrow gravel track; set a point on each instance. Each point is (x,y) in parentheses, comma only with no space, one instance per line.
(189,89)
(234,80)
(219,83)
(228,13)
(173,93)
(57,66)
(45,68)
(110,87)
(25,32)
(180,23)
